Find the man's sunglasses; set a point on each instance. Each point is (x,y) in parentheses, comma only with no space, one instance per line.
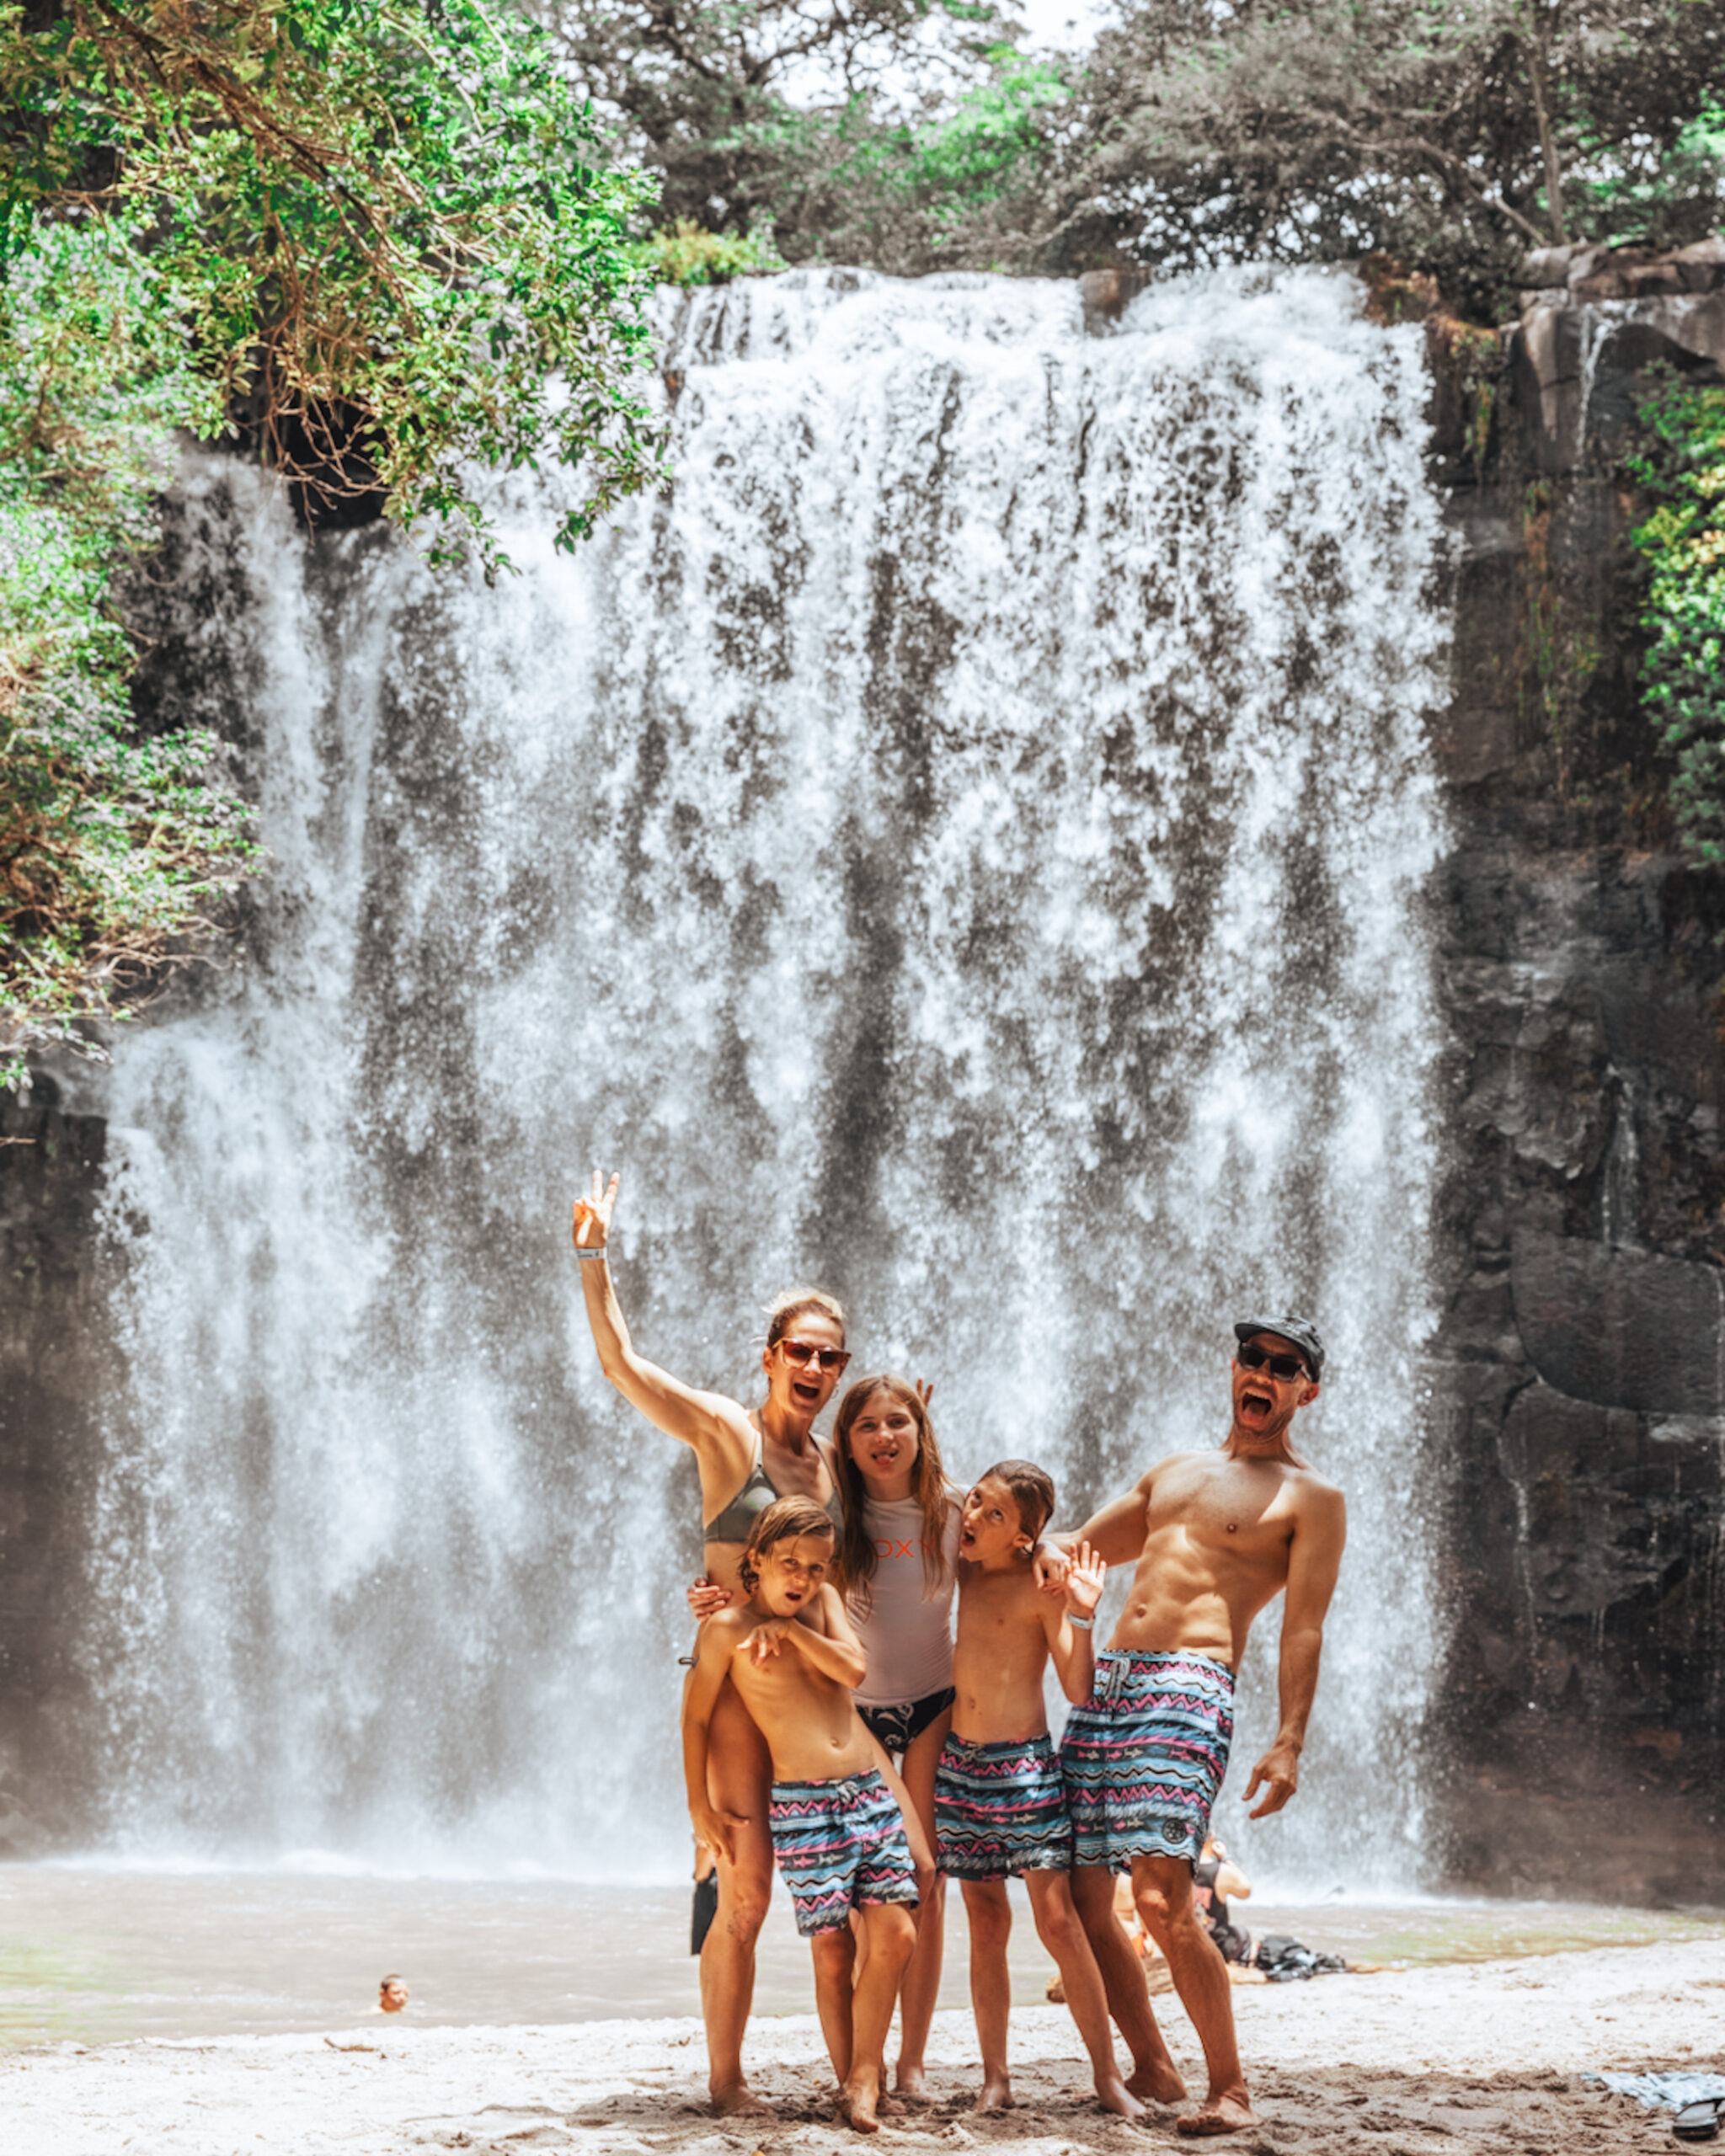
(831,1359)
(1284,1367)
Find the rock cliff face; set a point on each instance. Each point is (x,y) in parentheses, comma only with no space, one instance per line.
(53,1366)
(1579,1374)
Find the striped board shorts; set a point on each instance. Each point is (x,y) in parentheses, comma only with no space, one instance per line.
(840,1845)
(1145,1756)
(999,1810)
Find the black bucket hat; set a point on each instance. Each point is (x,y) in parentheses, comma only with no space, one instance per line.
(1303,1334)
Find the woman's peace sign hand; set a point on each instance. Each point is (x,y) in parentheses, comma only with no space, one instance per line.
(592,1227)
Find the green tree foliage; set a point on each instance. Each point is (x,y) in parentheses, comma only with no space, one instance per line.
(910,191)
(1659,196)
(381,224)
(367,235)
(1452,133)
(686,253)
(1680,468)
(864,132)
(110,842)
(916,191)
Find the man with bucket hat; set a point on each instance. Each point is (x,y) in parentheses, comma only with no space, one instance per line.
(1214,1536)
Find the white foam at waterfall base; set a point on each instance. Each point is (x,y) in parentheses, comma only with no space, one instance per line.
(964,843)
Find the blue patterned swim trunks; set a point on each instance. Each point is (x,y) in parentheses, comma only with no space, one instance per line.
(840,1844)
(999,1810)
(1145,1756)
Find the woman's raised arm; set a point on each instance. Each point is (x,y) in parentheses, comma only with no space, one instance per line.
(716,1427)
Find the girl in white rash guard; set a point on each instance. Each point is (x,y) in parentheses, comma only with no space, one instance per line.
(897,1556)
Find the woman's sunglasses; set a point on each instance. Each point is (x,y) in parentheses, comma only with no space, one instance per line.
(1284,1367)
(831,1359)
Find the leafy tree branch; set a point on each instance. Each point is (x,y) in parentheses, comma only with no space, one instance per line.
(380,240)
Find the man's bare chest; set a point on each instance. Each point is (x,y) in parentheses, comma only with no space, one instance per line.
(1229,1511)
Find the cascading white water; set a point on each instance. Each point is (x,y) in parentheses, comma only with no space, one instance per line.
(964,844)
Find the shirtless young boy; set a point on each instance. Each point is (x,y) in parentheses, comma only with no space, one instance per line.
(837,1831)
(1000,1805)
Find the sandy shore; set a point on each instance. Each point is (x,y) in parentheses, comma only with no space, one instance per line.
(1428,2061)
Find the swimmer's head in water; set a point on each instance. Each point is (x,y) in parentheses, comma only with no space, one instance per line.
(392,1994)
(798,1520)
(867,1398)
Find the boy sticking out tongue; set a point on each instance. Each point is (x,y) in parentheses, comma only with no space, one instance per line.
(1000,1803)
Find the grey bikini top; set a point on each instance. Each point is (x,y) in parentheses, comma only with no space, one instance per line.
(739,1516)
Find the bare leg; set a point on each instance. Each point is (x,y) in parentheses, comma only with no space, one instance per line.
(835,1973)
(991,1919)
(892,1939)
(1162,1887)
(1154,2076)
(1061,1931)
(739,1780)
(921,1986)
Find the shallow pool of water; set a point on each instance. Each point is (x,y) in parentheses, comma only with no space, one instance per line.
(93,1955)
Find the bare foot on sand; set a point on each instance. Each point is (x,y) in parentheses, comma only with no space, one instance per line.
(859,2103)
(740,2101)
(1113,2095)
(997,2095)
(1230,2114)
(912,2082)
(1158,2083)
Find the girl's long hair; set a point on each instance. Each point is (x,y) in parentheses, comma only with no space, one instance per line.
(856,1555)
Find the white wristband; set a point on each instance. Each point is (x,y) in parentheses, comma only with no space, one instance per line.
(1081,1623)
(601,1252)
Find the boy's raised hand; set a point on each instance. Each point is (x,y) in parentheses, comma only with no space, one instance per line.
(592,1224)
(1085,1575)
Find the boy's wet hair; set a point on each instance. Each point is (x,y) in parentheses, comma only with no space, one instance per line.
(783,1520)
(1032,1490)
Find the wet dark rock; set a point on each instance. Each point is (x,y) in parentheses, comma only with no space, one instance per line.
(1577,1368)
(1622,1328)
(1106,294)
(1581,353)
(53,1370)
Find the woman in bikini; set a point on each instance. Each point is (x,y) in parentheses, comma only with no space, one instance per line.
(896,1565)
(746,1458)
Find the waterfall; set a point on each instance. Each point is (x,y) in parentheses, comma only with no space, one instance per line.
(964,844)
